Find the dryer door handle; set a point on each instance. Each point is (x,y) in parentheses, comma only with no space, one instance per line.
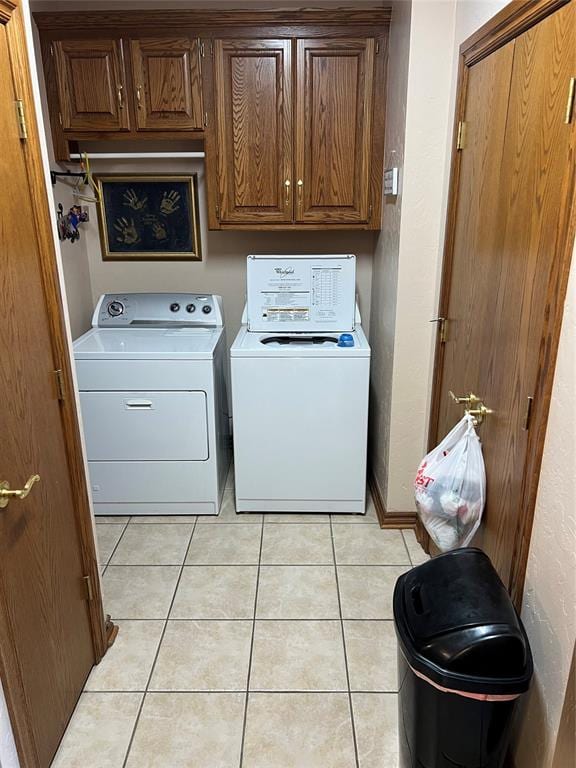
(138,405)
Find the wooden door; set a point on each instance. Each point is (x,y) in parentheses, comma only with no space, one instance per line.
(253,83)
(47,644)
(503,277)
(334,98)
(91,83)
(167,83)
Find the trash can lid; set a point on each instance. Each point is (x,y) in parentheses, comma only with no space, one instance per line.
(458,627)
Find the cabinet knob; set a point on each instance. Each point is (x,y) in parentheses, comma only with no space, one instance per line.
(300,184)
(287,185)
(120,97)
(139,96)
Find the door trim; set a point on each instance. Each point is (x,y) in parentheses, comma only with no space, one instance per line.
(515,19)
(11,16)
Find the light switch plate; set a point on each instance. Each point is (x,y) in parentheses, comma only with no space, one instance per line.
(391,181)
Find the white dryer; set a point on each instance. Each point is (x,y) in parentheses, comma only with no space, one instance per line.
(151,375)
(300,377)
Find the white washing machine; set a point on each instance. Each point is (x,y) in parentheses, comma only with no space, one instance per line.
(151,375)
(300,377)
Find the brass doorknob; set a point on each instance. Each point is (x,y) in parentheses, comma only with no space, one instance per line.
(6,494)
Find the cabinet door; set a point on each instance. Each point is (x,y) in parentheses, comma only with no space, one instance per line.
(91,85)
(167,83)
(334,98)
(254,130)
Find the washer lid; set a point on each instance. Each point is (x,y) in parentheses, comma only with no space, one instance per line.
(301,293)
(324,344)
(147,344)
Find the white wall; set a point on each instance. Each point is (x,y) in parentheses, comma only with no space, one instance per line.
(223,266)
(387,250)
(549,607)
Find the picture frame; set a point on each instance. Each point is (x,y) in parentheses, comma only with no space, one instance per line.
(149,217)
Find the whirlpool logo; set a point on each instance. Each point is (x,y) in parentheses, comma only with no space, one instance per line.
(284,271)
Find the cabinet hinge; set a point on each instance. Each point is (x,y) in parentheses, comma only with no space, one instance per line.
(461,136)
(21,118)
(89,588)
(528,415)
(202,50)
(60,389)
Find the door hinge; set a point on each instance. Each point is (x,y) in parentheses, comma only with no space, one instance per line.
(21,118)
(89,588)
(570,102)
(528,416)
(461,136)
(60,389)
(441,328)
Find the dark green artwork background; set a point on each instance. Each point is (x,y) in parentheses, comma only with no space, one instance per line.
(148,216)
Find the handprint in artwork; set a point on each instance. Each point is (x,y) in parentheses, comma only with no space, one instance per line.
(132,200)
(159,231)
(169,202)
(127,232)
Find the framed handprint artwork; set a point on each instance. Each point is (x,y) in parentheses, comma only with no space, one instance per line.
(149,217)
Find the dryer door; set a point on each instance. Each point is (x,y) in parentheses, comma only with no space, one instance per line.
(145,426)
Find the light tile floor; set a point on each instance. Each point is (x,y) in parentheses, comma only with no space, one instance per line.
(252,641)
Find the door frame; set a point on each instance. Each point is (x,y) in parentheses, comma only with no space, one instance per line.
(11,16)
(513,20)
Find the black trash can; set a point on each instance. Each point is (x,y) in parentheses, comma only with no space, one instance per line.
(463,662)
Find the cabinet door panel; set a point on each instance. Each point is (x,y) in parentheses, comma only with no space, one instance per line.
(167,83)
(91,85)
(254,128)
(334,97)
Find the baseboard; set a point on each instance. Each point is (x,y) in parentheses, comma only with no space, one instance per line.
(388,519)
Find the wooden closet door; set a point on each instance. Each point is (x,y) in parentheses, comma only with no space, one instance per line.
(254,130)
(91,85)
(503,276)
(334,100)
(167,84)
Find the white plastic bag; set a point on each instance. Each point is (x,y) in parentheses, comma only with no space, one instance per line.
(450,487)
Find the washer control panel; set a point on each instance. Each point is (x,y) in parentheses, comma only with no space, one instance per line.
(118,310)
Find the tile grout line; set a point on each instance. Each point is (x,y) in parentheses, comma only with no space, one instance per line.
(115,546)
(344,648)
(251,646)
(137,720)
(406,548)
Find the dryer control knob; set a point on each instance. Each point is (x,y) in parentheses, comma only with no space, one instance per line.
(206,309)
(190,308)
(174,307)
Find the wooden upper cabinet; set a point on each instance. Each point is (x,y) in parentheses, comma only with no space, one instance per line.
(334,100)
(167,83)
(91,82)
(253,93)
